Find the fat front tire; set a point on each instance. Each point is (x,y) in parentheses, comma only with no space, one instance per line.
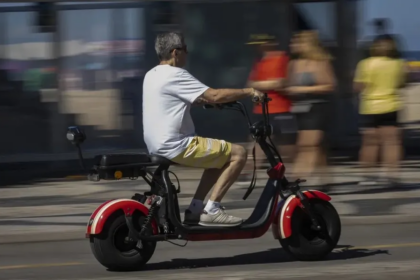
(306,244)
(111,250)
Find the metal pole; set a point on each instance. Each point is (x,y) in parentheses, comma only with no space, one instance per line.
(345,16)
(287,23)
(57,118)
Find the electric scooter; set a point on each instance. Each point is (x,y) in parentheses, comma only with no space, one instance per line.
(123,233)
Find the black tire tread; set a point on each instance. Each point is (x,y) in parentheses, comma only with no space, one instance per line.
(106,254)
(318,252)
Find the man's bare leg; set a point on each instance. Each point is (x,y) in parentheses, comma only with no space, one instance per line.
(213,215)
(207,181)
(211,176)
(230,172)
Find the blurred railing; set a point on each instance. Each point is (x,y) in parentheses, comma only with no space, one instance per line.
(92,75)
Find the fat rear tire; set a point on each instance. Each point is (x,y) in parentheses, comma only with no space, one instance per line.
(111,251)
(305,244)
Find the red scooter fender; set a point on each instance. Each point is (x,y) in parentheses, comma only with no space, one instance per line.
(282,224)
(102,213)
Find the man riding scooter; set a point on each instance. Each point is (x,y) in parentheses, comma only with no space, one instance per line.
(123,233)
(168,93)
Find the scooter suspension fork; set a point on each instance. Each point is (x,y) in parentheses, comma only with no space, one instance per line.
(308,207)
(155,204)
(133,234)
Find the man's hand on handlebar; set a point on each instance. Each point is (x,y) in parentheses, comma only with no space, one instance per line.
(257,96)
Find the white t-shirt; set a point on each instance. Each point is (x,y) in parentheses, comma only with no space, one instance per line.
(168,93)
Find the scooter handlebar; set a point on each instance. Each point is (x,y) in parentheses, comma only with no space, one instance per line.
(257,99)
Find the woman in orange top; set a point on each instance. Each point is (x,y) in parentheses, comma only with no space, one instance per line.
(268,75)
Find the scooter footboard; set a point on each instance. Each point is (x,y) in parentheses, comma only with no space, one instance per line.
(100,216)
(282,224)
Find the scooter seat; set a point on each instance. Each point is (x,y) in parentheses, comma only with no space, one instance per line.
(133,158)
(158,160)
(122,159)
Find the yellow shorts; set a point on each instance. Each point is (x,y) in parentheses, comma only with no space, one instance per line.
(205,153)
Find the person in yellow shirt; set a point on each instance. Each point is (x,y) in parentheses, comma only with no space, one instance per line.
(378,79)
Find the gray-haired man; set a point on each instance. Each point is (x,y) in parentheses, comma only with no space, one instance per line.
(168,93)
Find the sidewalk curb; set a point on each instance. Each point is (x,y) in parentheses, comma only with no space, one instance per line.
(79,234)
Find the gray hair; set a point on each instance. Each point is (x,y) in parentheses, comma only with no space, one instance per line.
(166,42)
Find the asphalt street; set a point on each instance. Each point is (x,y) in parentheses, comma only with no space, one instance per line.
(378,240)
(364,252)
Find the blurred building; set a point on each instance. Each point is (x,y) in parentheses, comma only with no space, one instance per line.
(84,68)
(88,68)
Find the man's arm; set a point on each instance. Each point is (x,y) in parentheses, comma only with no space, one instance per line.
(273,84)
(193,91)
(217,96)
(200,101)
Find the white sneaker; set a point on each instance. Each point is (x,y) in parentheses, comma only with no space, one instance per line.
(219,219)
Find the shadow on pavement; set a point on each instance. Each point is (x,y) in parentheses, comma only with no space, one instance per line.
(263,257)
(345,252)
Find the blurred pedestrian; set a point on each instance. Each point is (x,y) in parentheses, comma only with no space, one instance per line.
(310,82)
(378,79)
(382,30)
(268,75)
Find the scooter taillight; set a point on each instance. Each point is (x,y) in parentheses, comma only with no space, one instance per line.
(276,172)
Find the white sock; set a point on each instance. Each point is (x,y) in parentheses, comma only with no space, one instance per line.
(196,206)
(212,207)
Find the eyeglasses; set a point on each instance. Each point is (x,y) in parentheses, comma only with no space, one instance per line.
(183,48)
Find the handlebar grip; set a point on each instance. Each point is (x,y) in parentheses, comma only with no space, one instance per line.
(255,99)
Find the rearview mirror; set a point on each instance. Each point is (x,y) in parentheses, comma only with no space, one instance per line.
(75,135)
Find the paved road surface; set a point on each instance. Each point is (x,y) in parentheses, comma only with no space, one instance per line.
(382,250)
(60,210)
(378,252)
